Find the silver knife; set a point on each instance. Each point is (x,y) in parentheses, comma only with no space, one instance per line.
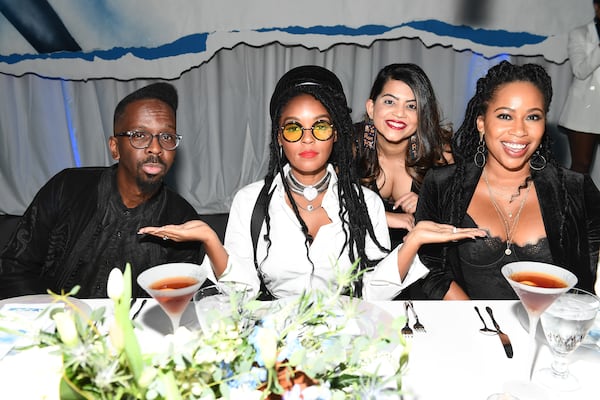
(503,336)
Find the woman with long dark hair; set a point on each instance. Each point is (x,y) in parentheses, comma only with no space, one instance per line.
(400,139)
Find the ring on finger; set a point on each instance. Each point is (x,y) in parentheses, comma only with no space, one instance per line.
(454,230)
(165,237)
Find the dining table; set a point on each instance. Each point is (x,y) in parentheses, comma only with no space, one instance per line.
(451,360)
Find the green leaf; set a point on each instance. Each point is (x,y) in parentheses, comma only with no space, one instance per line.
(171,387)
(132,349)
(68,392)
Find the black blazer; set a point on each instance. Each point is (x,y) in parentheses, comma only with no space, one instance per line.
(50,247)
(570,207)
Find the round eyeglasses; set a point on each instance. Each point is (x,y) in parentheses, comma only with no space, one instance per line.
(142,140)
(293,131)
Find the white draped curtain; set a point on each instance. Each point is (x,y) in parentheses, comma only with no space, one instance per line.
(50,124)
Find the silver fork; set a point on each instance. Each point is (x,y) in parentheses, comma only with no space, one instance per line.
(418,326)
(406,331)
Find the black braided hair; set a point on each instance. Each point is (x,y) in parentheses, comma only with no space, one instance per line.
(466,138)
(324,86)
(432,137)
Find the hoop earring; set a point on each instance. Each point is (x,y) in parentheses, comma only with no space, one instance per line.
(537,162)
(479,157)
(369,135)
(413,145)
(281,153)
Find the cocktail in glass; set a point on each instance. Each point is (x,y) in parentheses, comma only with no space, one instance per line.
(537,285)
(172,286)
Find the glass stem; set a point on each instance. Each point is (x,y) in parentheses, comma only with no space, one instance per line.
(175,321)
(560,367)
(533,323)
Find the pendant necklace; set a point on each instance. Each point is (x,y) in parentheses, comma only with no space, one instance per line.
(309,207)
(309,192)
(510,230)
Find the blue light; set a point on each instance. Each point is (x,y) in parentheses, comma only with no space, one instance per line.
(72,136)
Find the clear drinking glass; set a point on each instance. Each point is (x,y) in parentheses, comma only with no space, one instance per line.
(223,302)
(212,305)
(566,323)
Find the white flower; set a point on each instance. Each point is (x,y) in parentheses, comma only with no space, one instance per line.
(65,325)
(106,375)
(114,287)
(116,336)
(148,375)
(265,342)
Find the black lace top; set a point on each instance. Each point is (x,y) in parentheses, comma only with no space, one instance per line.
(482,259)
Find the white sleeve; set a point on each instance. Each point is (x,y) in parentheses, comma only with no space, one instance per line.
(384,282)
(238,241)
(584,52)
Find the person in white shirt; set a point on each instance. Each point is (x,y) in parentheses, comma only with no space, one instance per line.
(316,217)
(580,116)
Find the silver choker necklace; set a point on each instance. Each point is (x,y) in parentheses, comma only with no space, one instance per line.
(310,192)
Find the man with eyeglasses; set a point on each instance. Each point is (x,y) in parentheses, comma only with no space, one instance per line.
(85,221)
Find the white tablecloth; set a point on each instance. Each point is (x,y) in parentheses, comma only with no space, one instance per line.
(452,360)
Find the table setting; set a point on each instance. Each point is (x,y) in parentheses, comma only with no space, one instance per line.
(317,345)
(452,349)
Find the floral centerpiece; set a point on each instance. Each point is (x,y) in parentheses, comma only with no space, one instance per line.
(301,348)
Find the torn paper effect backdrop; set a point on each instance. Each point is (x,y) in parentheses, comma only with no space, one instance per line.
(72,39)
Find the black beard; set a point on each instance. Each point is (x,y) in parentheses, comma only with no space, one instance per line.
(147,186)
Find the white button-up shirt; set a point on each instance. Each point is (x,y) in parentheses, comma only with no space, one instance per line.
(286,263)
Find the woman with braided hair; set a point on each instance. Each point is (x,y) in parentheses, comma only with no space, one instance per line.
(506,181)
(315,216)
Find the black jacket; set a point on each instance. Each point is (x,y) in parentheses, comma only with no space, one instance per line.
(574,241)
(53,246)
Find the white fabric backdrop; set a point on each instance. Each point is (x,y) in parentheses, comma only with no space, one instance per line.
(153,38)
(48,124)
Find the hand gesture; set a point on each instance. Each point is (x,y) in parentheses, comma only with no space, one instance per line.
(407,202)
(431,232)
(194,230)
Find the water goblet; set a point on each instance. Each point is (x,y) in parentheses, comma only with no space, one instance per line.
(172,286)
(223,301)
(566,323)
(537,285)
(212,305)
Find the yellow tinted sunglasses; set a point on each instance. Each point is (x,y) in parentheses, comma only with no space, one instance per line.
(293,131)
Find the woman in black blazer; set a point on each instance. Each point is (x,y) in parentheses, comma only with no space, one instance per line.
(506,181)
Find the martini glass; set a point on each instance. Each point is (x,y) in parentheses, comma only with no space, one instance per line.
(172,286)
(537,285)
